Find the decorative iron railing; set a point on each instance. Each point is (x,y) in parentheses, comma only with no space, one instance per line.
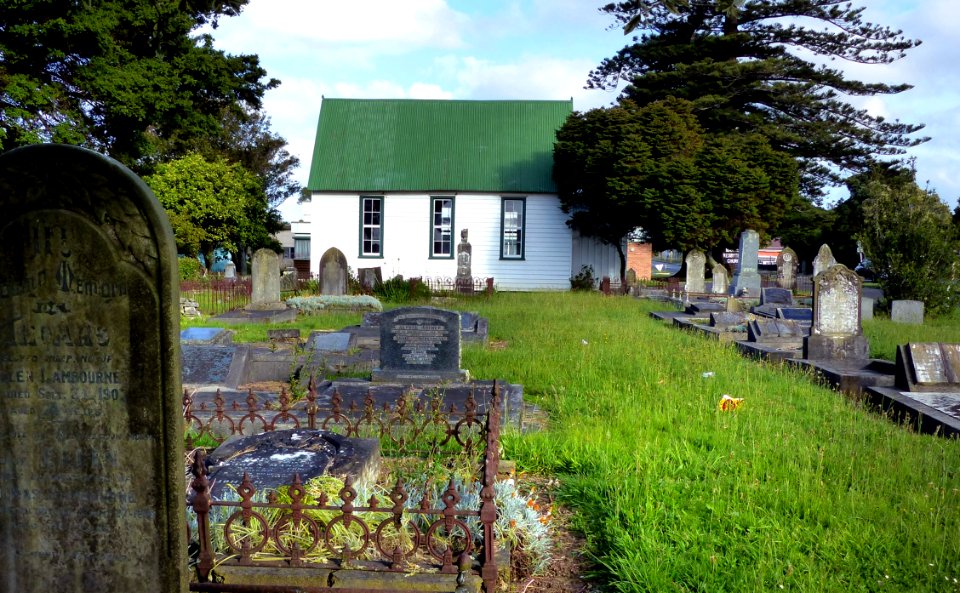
(218,295)
(450,532)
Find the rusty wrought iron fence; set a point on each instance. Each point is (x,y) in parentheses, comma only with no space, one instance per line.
(448,284)
(218,295)
(452,533)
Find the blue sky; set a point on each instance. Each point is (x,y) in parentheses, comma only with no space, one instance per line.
(539,49)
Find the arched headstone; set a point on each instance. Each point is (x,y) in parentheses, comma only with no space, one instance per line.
(824,260)
(787,268)
(333,272)
(91,431)
(836,333)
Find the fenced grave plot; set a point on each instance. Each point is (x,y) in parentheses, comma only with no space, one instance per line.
(324,532)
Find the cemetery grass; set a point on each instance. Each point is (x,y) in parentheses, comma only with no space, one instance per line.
(885,335)
(800,489)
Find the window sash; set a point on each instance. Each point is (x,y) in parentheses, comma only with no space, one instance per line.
(371,227)
(441,236)
(512,229)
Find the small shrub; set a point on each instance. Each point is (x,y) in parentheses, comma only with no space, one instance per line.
(190,268)
(312,304)
(398,290)
(584,280)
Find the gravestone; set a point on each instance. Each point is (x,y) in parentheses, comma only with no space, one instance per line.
(776,296)
(370,278)
(771,299)
(725,320)
(464,272)
(272,458)
(775,331)
(230,271)
(288,281)
(266,281)
(91,432)
(696,268)
(746,281)
(787,263)
(333,272)
(928,366)
(866,308)
(801,315)
(473,328)
(419,345)
(824,260)
(836,333)
(720,282)
(907,312)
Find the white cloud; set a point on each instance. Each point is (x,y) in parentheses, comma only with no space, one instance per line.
(295,26)
(529,77)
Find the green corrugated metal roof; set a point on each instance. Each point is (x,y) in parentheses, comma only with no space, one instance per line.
(376,145)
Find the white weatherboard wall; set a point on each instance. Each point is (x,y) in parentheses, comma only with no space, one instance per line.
(407,238)
(603,258)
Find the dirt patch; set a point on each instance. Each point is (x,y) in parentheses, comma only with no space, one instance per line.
(567,565)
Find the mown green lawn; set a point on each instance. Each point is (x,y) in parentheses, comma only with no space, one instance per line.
(800,489)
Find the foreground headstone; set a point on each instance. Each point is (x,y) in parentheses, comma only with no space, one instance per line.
(696,268)
(333,272)
(91,433)
(824,260)
(787,263)
(419,345)
(836,333)
(746,281)
(907,312)
(266,281)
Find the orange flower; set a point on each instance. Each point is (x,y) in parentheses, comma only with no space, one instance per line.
(513,522)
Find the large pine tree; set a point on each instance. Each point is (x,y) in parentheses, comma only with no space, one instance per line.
(759,66)
(130,78)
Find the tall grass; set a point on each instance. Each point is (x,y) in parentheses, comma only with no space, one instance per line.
(885,335)
(800,489)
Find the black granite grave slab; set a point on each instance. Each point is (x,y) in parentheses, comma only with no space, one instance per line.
(419,345)
(851,376)
(801,315)
(271,459)
(928,412)
(207,364)
(727,319)
(206,335)
(775,330)
(776,296)
(703,307)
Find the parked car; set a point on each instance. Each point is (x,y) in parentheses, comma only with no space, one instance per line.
(865,270)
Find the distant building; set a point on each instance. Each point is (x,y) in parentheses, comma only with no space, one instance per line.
(393,182)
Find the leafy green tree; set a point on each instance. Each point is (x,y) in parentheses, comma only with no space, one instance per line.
(125,77)
(656,168)
(910,239)
(214,205)
(747,67)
